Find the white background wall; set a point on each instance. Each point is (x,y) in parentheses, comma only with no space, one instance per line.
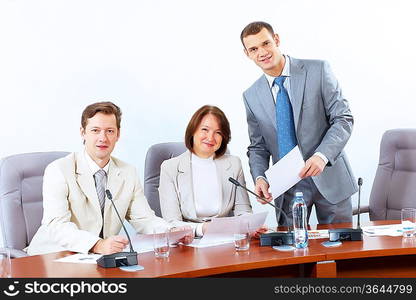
(161,60)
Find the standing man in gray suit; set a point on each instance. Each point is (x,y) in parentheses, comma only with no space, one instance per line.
(298,102)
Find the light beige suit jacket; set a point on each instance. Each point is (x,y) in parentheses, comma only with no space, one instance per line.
(72,217)
(176,196)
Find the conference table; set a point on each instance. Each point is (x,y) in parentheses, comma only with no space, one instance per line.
(380,256)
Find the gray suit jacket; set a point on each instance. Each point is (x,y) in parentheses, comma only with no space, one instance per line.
(323,123)
(176,196)
(72,217)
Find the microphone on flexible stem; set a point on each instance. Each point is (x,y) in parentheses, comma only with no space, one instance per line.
(349,234)
(274,238)
(258,196)
(121,258)
(360,183)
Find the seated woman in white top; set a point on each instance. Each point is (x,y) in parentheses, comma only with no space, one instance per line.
(194,186)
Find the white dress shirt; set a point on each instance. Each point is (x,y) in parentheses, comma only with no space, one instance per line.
(93,165)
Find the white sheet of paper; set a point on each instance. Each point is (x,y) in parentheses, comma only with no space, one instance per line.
(221,230)
(144,242)
(80,258)
(318,234)
(285,173)
(379,230)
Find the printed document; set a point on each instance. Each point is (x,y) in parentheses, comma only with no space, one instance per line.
(80,258)
(144,242)
(285,173)
(221,230)
(379,230)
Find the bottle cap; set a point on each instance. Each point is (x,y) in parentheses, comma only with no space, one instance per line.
(299,194)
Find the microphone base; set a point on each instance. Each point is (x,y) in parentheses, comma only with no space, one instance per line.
(276,239)
(119,259)
(345,234)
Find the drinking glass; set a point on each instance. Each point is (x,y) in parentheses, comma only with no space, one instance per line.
(242,236)
(161,242)
(408,221)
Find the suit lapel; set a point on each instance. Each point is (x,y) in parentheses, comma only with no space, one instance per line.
(224,171)
(85,180)
(185,184)
(265,97)
(114,184)
(297,88)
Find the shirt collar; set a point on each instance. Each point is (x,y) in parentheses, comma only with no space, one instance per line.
(93,166)
(285,72)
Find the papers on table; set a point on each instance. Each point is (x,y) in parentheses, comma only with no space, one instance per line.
(315,234)
(141,243)
(318,234)
(80,258)
(144,242)
(391,230)
(221,230)
(285,173)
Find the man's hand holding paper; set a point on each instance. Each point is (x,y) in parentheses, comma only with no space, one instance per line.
(313,167)
(286,172)
(262,189)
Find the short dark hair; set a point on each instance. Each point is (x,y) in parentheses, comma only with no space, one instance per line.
(108,108)
(254,28)
(196,121)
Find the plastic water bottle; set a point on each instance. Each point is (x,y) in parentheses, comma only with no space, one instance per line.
(299,211)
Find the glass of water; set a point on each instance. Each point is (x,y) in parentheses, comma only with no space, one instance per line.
(5,263)
(242,237)
(161,242)
(408,221)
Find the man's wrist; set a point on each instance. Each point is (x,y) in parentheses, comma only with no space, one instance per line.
(322,156)
(96,247)
(261,177)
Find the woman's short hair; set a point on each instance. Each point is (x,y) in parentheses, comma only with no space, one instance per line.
(196,121)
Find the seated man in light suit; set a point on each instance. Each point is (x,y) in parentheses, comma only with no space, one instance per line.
(76,216)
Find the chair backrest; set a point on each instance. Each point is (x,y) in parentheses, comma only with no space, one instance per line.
(21,209)
(394,185)
(154,158)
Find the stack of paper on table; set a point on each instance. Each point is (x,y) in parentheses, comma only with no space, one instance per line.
(378,230)
(144,242)
(80,258)
(313,234)
(318,234)
(221,230)
(141,243)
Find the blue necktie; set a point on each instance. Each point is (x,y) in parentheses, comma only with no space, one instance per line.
(286,136)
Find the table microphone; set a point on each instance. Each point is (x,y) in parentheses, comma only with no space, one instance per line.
(349,234)
(121,258)
(360,183)
(274,238)
(258,196)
